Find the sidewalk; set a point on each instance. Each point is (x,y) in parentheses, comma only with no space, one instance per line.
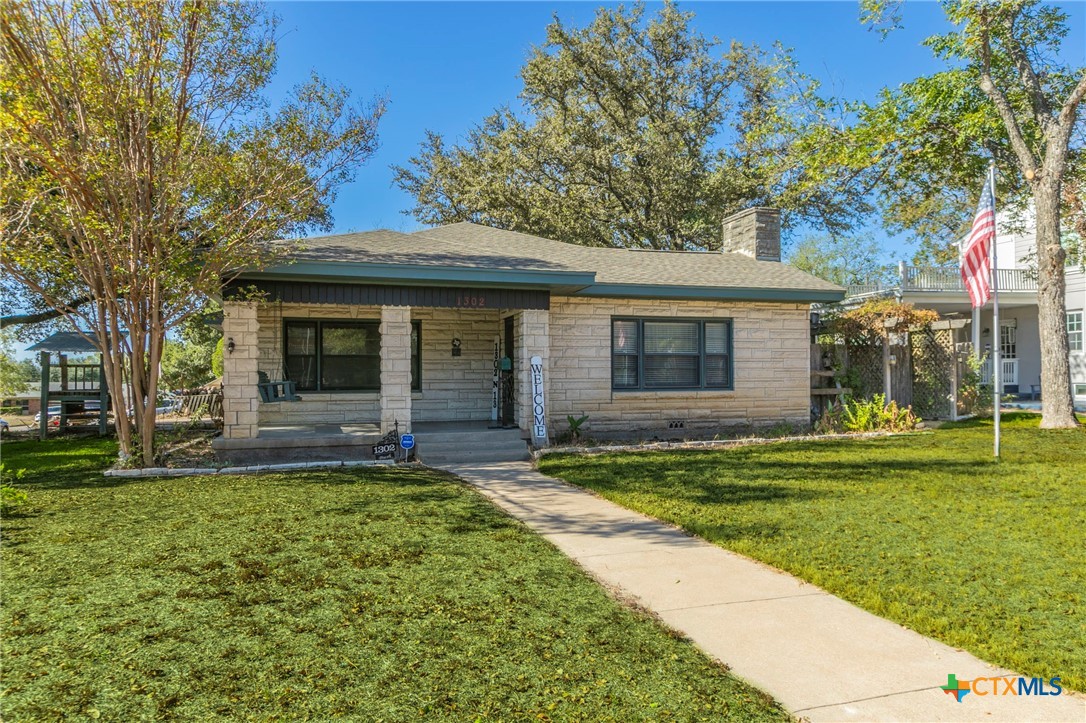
(823,658)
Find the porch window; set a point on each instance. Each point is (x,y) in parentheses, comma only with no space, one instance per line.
(1074,330)
(650,354)
(342,355)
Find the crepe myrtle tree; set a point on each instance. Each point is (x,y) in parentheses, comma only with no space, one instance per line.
(1004,97)
(140,166)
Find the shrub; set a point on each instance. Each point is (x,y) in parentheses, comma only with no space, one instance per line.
(869,415)
(11,497)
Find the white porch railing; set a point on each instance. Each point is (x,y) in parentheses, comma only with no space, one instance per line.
(1009,369)
(935,278)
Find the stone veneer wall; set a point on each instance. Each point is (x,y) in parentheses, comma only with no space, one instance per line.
(531,332)
(771,368)
(771,348)
(754,232)
(241,399)
(454,388)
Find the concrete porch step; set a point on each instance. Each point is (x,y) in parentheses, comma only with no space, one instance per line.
(437,459)
(467,436)
(449,446)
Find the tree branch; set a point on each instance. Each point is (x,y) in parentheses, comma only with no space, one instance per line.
(1003,107)
(40,316)
(1042,112)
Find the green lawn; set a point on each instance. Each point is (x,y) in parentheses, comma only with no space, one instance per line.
(370,594)
(927,530)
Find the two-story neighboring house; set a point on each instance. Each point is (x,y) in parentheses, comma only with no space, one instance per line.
(941,289)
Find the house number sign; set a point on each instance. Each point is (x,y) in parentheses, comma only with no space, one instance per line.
(470,300)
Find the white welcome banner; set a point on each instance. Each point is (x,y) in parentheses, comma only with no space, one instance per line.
(539,407)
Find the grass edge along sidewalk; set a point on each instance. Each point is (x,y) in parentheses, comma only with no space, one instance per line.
(926,530)
(376,593)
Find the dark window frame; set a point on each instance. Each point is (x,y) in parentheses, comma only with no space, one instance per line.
(416,353)
(701,354)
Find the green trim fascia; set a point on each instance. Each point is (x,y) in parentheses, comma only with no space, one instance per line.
(708,293)
(424,274)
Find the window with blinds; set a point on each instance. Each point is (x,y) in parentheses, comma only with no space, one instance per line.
(341,355)
(648,354)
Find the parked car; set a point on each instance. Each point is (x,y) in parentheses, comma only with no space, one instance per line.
(4,427)
(53,415)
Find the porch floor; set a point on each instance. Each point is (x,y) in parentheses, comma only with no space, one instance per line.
(321,442)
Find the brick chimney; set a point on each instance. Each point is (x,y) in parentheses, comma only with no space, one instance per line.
(754,232)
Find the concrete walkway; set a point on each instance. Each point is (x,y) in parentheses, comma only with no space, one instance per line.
(823,658)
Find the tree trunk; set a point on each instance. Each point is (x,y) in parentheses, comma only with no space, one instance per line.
(1057,410)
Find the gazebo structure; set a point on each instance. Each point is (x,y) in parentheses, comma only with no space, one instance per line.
(80,383)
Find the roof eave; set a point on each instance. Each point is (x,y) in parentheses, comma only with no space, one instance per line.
(710,293)
(426,275)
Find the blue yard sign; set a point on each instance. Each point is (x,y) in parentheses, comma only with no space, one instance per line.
(407,441)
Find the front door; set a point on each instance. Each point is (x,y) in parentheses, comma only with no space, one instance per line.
(1008,353)
(508,378)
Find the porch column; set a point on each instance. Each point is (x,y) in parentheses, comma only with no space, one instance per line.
(533,339)
(395,368)
(240,397)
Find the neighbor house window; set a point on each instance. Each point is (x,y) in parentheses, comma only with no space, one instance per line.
(671,354)
(341,355)
(1074,330)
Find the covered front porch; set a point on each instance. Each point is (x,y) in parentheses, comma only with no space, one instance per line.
(345,374)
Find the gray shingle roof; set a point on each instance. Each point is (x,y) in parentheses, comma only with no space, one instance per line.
(470,245)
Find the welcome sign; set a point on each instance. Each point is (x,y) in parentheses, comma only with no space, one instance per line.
(539,408)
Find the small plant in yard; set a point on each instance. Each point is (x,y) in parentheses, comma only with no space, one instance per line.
(869,415)
(11,497)
(575,425)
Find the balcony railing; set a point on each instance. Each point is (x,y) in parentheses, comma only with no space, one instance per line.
(933,278)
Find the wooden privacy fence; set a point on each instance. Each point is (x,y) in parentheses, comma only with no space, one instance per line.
(204,403)
(925,368)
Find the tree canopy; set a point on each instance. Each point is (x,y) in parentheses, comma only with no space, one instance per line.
(140,165)
(640,132)
(932,138)
(844,260)
(1006,97)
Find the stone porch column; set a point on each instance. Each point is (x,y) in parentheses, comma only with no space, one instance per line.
(395,368)
(532,339)
(241,399)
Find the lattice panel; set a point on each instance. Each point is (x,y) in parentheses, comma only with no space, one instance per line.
(866,362)
(935,367)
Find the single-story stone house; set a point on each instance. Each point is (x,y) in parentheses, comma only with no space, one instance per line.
(381,329)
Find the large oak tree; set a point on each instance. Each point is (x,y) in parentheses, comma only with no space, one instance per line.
(140,165)
(637,131)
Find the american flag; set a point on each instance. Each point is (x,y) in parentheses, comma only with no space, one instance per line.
(976,248)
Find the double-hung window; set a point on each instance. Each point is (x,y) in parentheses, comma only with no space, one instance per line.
(651,354)
(340,355)
(1074,330)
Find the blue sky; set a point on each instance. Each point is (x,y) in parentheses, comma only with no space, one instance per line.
(445,65)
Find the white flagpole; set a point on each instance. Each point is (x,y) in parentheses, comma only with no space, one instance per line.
(997,333)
